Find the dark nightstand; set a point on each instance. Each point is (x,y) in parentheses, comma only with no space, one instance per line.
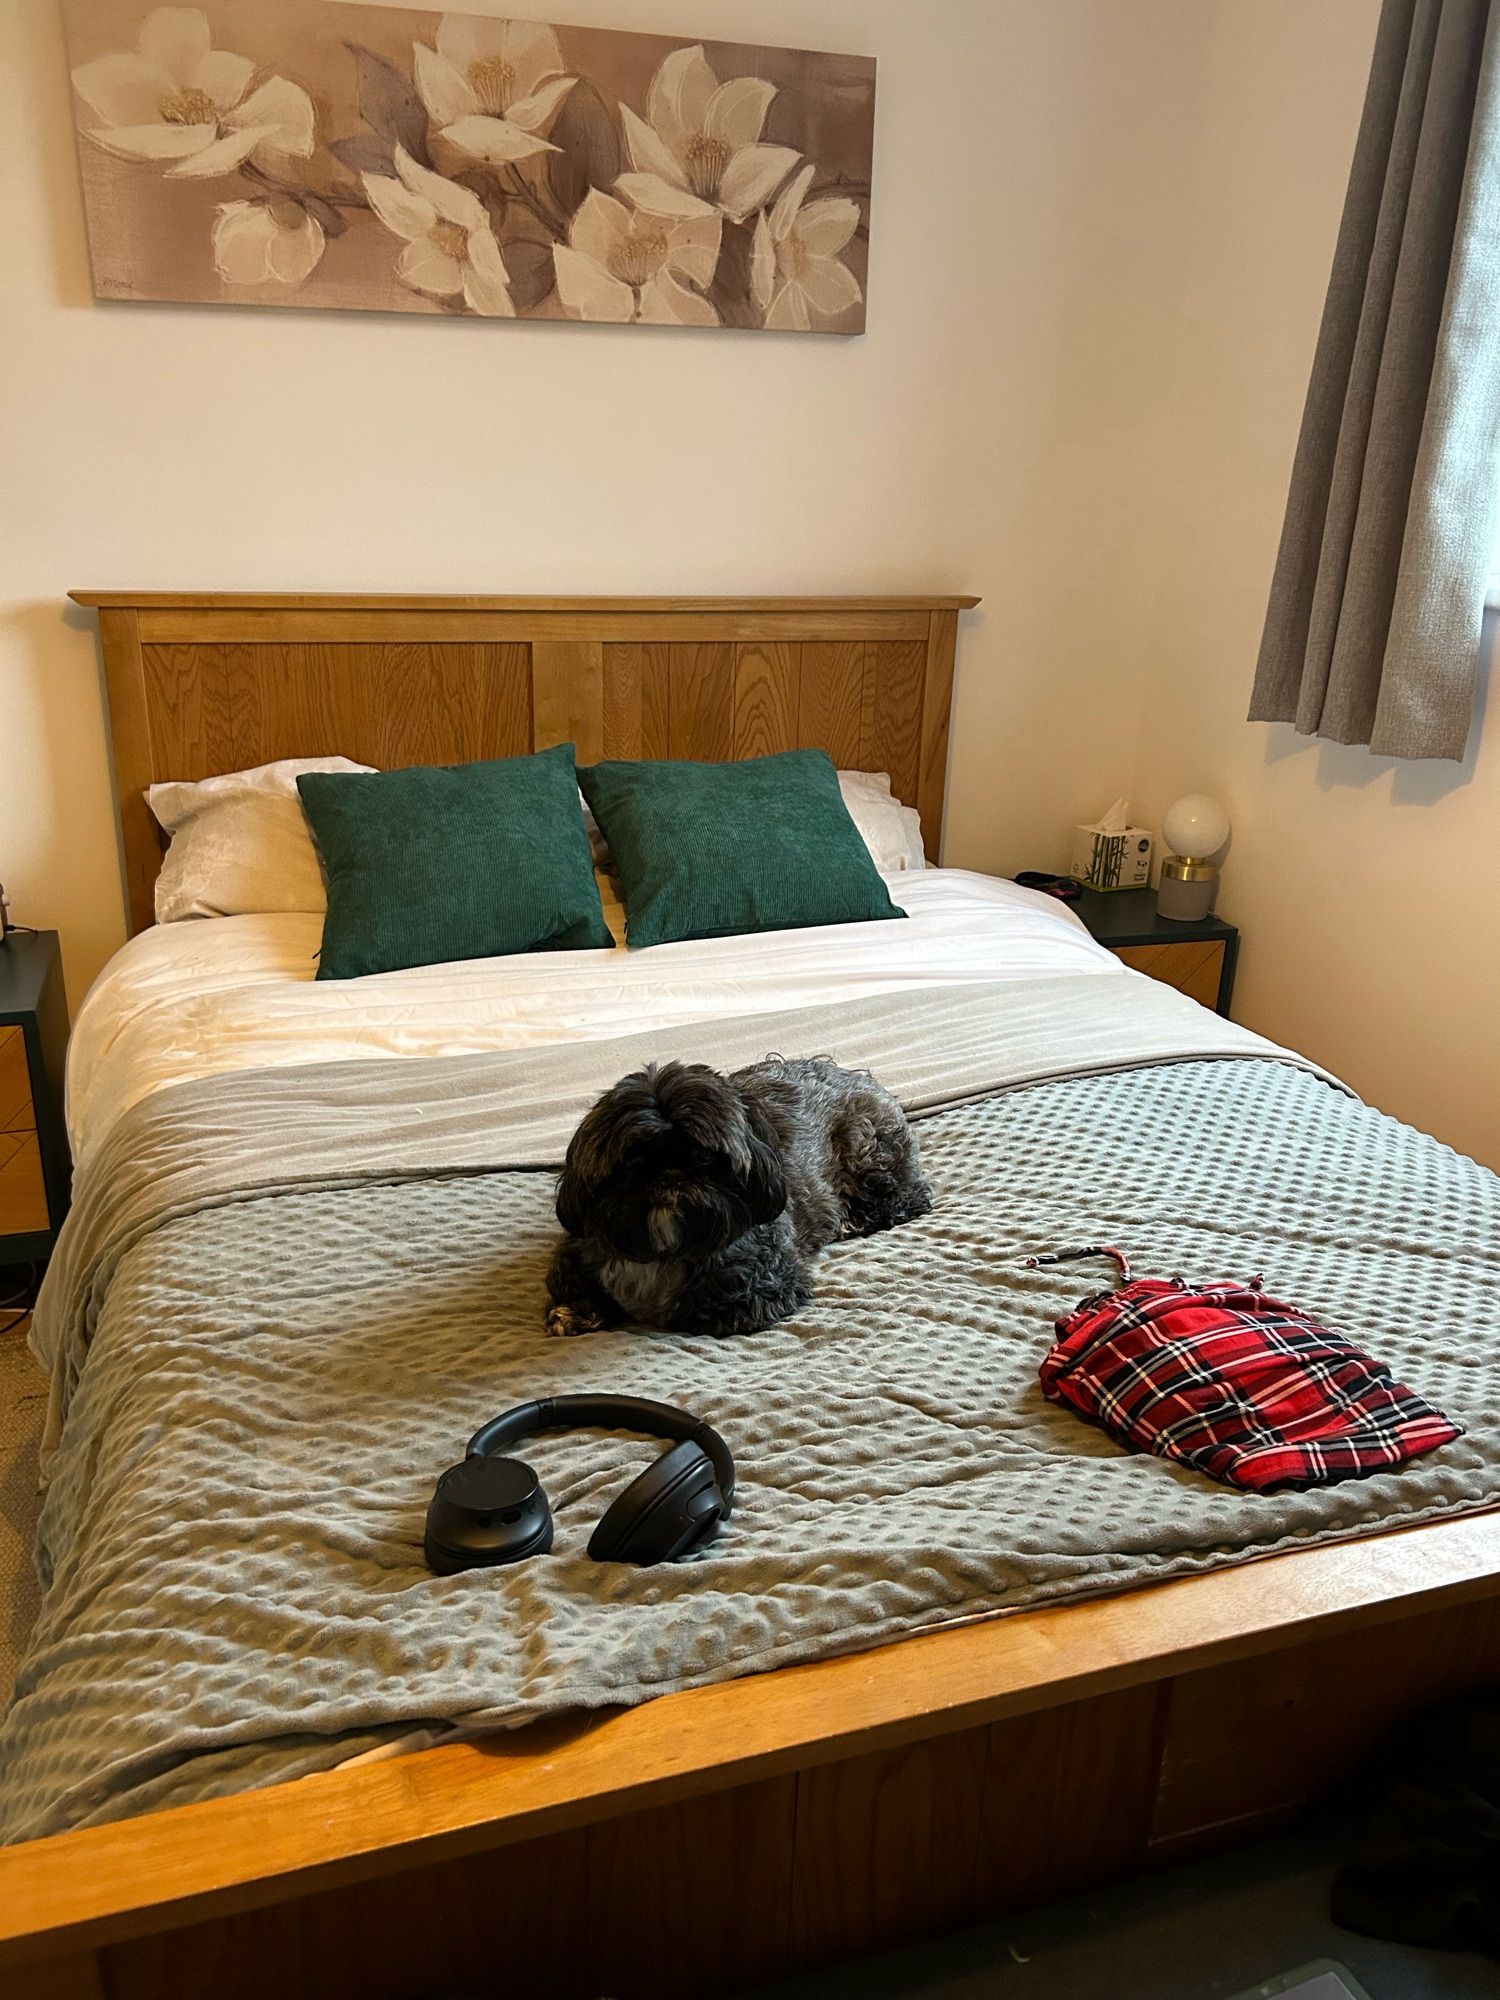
(34,1167)
(1198,959)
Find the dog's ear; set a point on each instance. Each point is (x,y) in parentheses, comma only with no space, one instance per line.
(572,1200)
(593,1151)
(765,1178)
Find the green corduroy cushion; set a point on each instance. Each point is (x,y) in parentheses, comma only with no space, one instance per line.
(450,862)
(715,850)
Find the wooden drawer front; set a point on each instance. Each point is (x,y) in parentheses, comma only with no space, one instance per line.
(1194,969)
(16,1113)
(23,1192)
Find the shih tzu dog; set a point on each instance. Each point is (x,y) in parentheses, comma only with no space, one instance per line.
(697,1202)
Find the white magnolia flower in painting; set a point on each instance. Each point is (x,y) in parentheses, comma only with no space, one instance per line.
(491,86)
(451,250)
(176,97)
(622,266)
(258,243)
(700,152)
(794,265)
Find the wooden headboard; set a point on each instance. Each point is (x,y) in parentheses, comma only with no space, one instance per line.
(199,685)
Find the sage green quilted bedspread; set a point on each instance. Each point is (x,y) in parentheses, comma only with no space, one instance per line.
(234,1529)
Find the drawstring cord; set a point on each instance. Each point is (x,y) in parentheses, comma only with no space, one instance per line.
(1117,1257)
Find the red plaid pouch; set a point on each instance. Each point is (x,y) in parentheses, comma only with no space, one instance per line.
(1235,1384)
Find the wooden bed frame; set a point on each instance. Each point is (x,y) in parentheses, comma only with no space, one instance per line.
(716,1838)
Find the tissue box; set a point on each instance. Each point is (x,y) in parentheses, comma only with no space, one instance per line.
(1112,859)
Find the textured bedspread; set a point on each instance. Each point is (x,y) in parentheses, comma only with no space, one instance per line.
(260,1385)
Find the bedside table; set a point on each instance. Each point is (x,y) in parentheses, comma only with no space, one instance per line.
(34,1165)
(1198,958)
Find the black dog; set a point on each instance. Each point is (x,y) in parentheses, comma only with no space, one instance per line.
(696,1201)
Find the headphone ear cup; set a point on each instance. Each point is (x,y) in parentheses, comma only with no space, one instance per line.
(673,1506)
(486,1511)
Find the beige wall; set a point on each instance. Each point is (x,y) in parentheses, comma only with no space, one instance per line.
(1372,927)
(1102,233)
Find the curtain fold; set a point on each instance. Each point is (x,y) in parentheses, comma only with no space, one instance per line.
(1372,631)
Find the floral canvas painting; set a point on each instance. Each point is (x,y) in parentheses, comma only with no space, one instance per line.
(311,153)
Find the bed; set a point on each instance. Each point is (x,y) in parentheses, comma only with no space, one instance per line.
(723,1832)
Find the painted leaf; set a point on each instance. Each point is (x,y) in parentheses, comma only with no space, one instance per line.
(364,153)
(529,266)
(729,293)
(328,218)
(482,187)
(589,142)
(388,102)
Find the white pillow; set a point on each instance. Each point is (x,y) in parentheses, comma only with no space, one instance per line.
(240,843)
(891,831)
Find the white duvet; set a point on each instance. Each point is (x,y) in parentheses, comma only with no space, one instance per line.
(197,998)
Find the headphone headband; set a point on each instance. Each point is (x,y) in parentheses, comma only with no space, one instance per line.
(607,1413)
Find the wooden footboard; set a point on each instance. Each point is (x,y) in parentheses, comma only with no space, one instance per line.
(712,1838)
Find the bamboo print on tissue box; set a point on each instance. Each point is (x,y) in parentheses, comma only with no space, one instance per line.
(1111,854)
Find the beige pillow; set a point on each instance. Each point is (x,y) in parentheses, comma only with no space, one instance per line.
(240,843)
(891,831)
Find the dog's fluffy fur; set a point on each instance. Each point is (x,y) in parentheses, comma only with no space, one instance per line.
(697,1202)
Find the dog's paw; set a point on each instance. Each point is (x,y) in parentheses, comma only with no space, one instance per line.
(567,1321)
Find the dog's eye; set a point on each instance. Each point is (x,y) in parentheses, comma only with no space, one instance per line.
(702,1156)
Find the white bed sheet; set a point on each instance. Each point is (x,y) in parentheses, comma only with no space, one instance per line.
(198,998)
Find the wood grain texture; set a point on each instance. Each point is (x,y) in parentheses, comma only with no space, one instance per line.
(637,701)
(887,1845)
(187,694)
(257,1848)
(447,1929)
(831,702)
(130,742)
(767,676)
(567,696)
(691,1899)
(196,601)
(1195,969)
(17,1113)
(23,1190)
(891,734)
(701,680)
(387,705)
(318,625)
(937,709)
(696,1896)
(1257,1740)
(1069,1795)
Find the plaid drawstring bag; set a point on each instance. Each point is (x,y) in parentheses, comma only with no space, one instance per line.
(1234,1383)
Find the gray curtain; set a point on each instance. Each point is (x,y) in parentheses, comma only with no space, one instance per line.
(1372,635)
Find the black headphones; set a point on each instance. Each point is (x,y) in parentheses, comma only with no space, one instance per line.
(492,1510)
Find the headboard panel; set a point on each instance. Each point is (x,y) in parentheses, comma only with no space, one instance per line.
(200,685)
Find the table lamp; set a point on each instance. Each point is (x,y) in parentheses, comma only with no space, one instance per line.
(1193,831)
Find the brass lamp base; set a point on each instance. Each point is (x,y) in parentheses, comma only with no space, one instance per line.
(1187,889)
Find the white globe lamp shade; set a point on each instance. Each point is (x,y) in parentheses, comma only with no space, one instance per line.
(1195,827)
